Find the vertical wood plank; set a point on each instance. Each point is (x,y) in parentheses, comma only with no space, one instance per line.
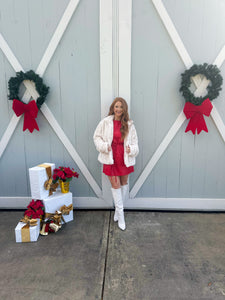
(125,26)
(106,71)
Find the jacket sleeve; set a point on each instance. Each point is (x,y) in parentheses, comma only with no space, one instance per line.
(100,145)
(134,149)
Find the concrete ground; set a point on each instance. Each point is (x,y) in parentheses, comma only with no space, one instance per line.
(161,255)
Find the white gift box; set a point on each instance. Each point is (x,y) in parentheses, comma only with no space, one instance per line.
(56,201)
(34,231)
(38,176)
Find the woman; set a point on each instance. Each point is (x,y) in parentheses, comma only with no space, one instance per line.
(116,139)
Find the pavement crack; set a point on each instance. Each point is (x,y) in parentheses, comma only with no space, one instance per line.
(106,257)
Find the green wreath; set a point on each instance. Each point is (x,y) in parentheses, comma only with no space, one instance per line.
(211,72)
(15,82)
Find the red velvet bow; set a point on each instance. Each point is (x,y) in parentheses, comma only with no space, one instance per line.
(195,114)
(30,111)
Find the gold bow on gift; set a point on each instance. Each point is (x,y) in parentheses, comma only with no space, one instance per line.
(56,225)
(56,217)
(29,222)
(25,230)
(65,210)
(49,185)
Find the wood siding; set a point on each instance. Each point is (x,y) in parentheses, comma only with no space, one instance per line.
(192,168)
(74,97)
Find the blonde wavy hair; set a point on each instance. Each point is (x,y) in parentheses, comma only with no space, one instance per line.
(124,118)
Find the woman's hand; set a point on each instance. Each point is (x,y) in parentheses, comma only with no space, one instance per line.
(128,149)
(109,148)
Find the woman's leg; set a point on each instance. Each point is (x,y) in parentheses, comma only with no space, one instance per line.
(124,187)
(117,196)
(115,181)
(123,180)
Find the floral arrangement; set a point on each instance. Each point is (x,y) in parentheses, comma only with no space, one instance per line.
(35,209)
(64,174)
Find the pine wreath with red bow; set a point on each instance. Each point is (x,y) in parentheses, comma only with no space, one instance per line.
(196,107)
(29,110)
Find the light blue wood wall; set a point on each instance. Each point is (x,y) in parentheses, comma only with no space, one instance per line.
(74,98)
(192,166)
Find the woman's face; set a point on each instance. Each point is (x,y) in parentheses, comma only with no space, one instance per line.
(118,110)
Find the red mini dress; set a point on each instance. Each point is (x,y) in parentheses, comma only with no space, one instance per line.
(118,168)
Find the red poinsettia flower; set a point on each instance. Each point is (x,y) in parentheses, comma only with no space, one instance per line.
(75,174)
(40,212)
(61,174)
(64,174)
(28,213)
(35,209)
(35,206)
(35,215)
(31,204)
(69,172)
(39,203)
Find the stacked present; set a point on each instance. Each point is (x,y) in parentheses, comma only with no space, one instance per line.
(50,207)
(27,230)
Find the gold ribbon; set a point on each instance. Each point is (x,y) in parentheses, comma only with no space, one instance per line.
(56,217)
(65,210)
(49,185)
(25,230)
(48,169)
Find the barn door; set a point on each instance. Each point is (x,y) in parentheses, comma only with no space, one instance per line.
(62,46)
(175,170)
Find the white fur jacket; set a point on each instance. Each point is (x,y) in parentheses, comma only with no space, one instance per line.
(103,137)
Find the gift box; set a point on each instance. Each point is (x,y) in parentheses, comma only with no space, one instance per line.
(59,202)
(26,233)
(39,176)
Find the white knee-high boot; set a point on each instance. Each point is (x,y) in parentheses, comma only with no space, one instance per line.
(117,196)
(124,190)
